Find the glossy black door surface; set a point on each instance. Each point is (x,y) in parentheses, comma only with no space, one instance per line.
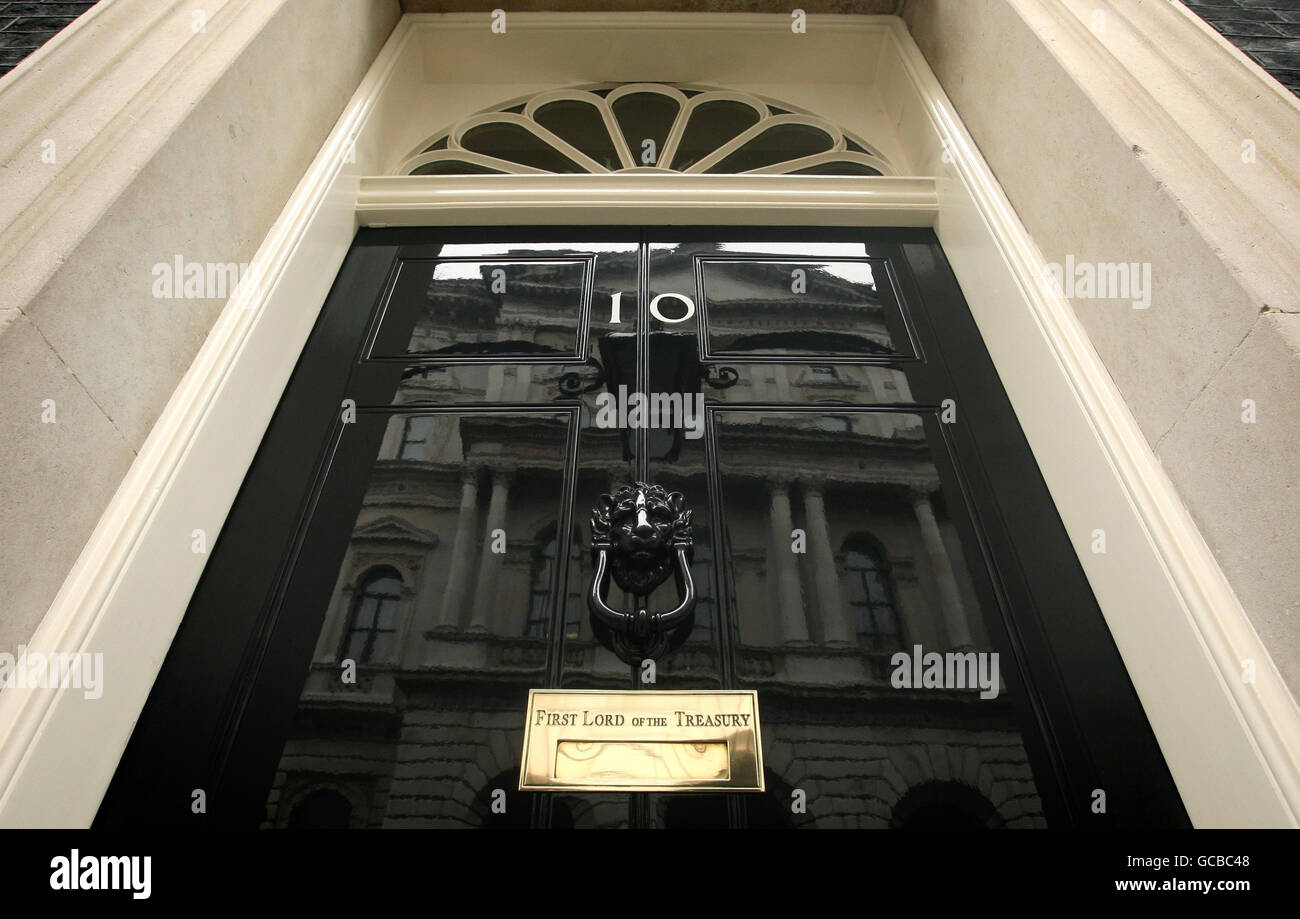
(409,554)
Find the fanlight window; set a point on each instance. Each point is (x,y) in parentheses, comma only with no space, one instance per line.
(644,127)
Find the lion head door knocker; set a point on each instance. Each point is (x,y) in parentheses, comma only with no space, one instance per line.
(639,535)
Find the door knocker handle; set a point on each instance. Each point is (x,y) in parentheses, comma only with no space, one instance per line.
(639,535)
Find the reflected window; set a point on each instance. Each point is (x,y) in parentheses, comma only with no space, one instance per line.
(324,809)
(527,306)
(702,574)
(871,595)
(800,307)
(374,618)
(415,435)
(944,806)
(540,581)
(516,814)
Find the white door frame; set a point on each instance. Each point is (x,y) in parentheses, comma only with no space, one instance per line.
(1233,747)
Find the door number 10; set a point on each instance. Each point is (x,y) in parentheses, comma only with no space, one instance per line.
(616,306)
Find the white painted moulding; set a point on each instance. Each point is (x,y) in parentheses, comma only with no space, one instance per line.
(897,201)
(1173,614)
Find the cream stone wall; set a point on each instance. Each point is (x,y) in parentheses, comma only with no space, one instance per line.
(1073,114)
(188,145)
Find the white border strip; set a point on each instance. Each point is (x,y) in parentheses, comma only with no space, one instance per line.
(1232,749)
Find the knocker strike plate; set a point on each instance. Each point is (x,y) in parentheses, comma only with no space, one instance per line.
(593,740)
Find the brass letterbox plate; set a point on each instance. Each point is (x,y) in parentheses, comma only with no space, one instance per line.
(675,740)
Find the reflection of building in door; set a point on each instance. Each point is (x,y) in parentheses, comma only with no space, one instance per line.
(444,600)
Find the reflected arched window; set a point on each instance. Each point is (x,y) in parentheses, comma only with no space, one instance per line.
(870,595)
(541,579)
(702,573)
(373,625)
(415,434)
(944,806)
(324,809)
(517,812)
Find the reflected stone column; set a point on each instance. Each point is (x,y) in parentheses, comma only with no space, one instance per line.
(837,627)
(425,598)
(453,595)
(954,612)
(331,639)
(489,567)
(794,626)
(782,378)
(523,382)
(496,383)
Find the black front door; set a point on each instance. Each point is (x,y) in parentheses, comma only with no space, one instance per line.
(875,550)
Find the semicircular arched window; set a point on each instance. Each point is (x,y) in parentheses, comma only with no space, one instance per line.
(644,127)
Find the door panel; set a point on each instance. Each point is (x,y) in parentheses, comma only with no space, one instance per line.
(431,605)
(879,569)
(411,550)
